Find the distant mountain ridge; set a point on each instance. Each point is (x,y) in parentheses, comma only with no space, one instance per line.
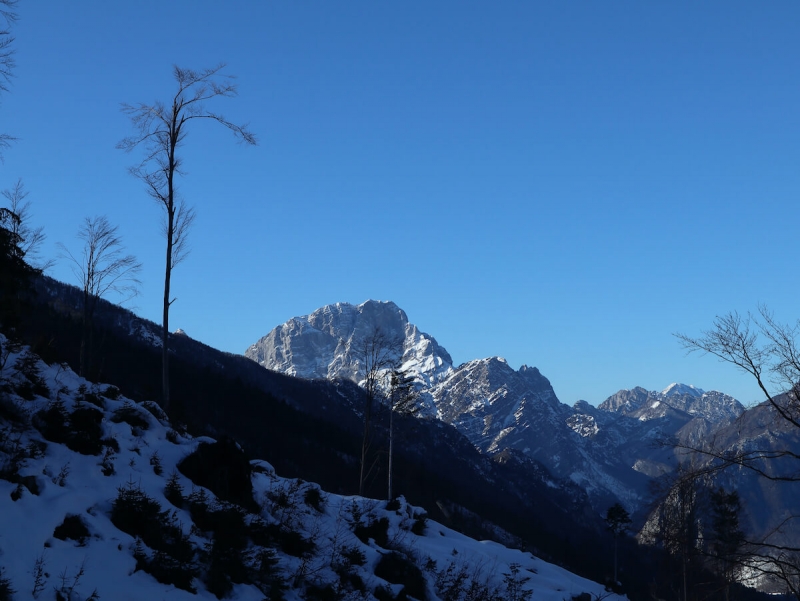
(609,450)
(715,407)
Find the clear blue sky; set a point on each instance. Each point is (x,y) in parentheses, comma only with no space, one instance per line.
(562,184)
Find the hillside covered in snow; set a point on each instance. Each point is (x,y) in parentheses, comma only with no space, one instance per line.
(100,497)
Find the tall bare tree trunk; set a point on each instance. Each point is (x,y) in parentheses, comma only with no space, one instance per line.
(84,367)
(365,444)
(391,444)
(160,129)
(165,327)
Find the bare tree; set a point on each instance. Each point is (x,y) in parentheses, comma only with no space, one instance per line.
(8,16)
(377,355)
(761,346)
(161,130)
(102,267)
(31,239)
(767,350)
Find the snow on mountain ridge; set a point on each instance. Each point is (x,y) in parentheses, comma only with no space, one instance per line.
(327,344)
(714,406)
(675,389)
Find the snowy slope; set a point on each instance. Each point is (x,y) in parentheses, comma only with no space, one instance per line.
(44,481)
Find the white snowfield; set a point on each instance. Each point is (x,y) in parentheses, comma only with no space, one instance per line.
(36,563)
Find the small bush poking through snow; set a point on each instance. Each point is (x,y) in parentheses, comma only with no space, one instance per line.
(52,422)
(155,461)
(384,593)
(111,392)
(293,543)
(72,528)
(86,431)
(61,477)
(313,498)
(224,469)
(17,493)
(513,582)
(397,568)
(155,410)
(131,415)
(80,430)
(10,457)
(33,384)
(40,575)
(393,505)
(227,562)
(12,411)
(420,523)
(199,509)
(69,584)
(85,395)
(134,512)
(168,570)
(173,490)
(376,529)
(107,465)
(459,581)
(354,556)
(265,573)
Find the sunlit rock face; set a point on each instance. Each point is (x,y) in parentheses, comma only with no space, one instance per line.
(328,343)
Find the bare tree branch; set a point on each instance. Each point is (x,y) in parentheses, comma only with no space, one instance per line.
(160,130)
(8,16)
(739,341)
(101,268)
(31,239)
(767,350)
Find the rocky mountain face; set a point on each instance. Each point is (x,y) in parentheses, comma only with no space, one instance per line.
(679,400)
(647,420)
(612,450)
(771,443)
(327,343)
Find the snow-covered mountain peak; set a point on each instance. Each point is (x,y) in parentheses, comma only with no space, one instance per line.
(715,407)
(326,343)
(675,389)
